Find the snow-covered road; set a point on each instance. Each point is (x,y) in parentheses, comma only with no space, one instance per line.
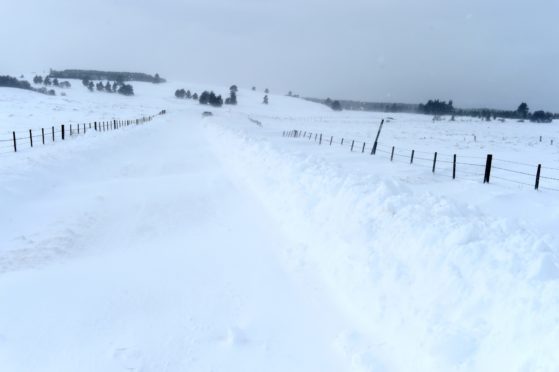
(136,257)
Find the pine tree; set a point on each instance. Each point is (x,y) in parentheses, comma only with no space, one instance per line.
(523,110)
(204,98)
(126,89)
(336,106)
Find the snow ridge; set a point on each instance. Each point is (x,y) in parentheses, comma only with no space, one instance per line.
(431,283)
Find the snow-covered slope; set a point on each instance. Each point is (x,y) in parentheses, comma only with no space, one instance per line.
(217,244)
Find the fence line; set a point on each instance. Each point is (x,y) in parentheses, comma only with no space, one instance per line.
(34,137)
(491,168)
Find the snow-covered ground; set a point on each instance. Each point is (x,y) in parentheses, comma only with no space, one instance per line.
(216,244)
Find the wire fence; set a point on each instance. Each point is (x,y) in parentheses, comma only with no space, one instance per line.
(27,139)
(466,167)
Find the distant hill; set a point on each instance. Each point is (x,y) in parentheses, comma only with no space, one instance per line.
(106,75)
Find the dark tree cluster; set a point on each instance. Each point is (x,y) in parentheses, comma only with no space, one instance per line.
(108,87)
(107,75)
(12,82)
(47,81)
(210,98)
(541,117)
(436,107)
(126,89)
(183,94)
(334,105)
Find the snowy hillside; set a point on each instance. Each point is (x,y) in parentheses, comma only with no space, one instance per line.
(216,244)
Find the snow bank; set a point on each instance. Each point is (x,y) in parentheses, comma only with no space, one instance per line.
(431,284)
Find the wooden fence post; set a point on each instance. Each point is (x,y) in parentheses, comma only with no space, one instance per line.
(320,140)
(412,154)
(78,129)
(342,142)
(15,144)
(84,129)
(392,154)
(30,138)
(52,129)
(352,143)
(95,126)
(434,162)
(43,134)
(331,138)
(363,149)
(488,168)
(70,130)
(454,168)
(62,131)
(538,176)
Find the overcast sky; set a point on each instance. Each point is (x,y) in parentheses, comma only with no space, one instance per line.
(493,53)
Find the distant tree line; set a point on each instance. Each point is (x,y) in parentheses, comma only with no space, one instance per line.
(521,113)
(38,79)
(106,75)
(108,87)
(439,108)
(12,82)
(369,106)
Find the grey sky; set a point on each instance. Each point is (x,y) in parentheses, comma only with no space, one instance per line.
(477,52)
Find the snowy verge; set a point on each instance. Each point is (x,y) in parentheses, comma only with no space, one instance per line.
(431,283)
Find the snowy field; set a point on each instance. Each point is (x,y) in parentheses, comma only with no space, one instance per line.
(216,244)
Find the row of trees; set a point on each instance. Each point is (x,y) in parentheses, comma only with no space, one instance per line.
(121,77)
(38,79)
(438,108)
(521,113)
(209,98)
(12,82)
(115,87)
